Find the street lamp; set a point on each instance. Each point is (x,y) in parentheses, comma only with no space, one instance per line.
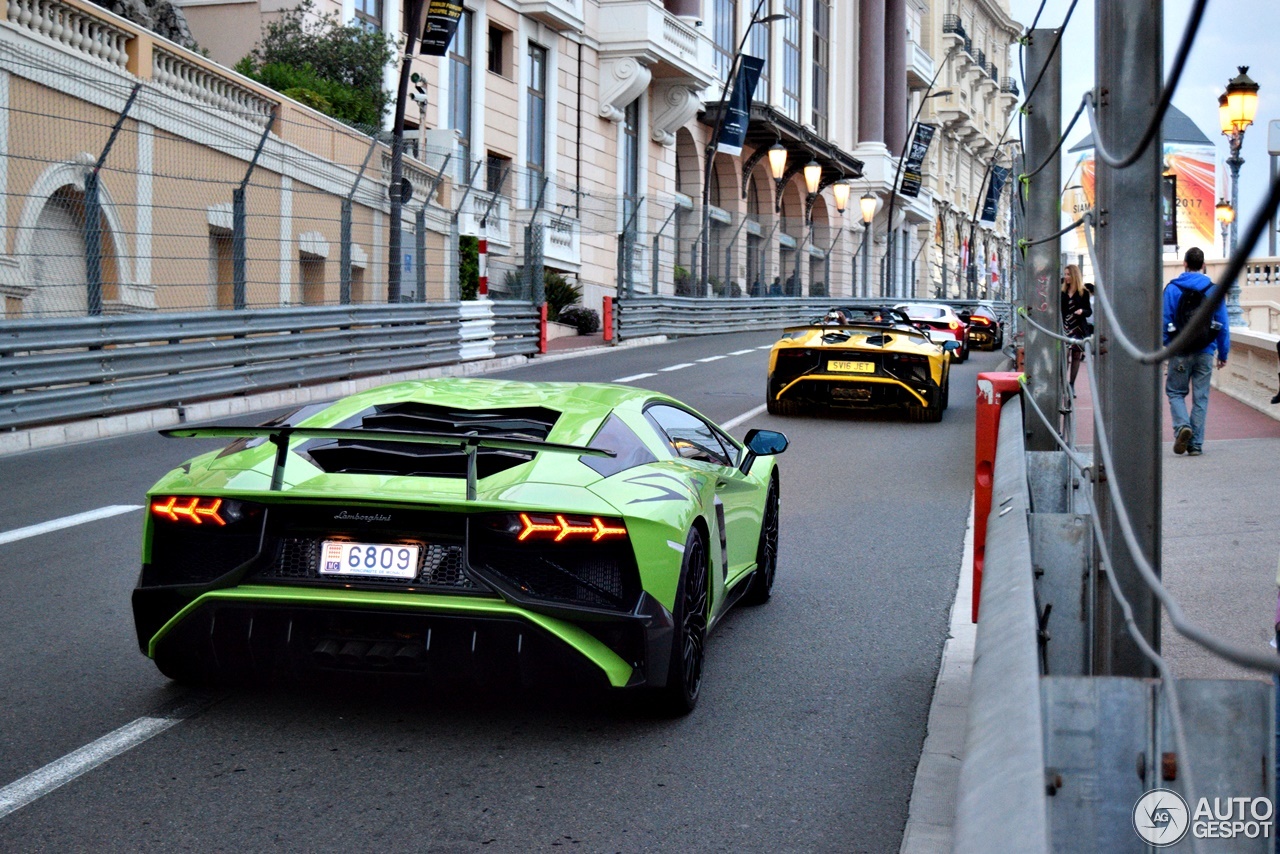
(868,203)
(713,144)
(1236,109)
(1226,215)
(840,191)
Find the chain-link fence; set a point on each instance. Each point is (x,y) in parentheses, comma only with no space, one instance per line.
(139,177)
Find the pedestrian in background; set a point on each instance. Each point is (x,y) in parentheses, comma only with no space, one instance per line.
(1192,371)
(1077,308)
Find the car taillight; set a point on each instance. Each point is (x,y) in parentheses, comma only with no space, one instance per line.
(559,528)
(954,324)
(197,510)
(981,321)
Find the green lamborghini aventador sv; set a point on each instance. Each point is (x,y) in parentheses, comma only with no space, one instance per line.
(461,527)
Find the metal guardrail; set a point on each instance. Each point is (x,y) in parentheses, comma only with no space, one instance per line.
(640,316)
(56,370)
(1001,803)
(512,322)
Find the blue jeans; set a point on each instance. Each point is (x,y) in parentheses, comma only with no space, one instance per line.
(1194,370)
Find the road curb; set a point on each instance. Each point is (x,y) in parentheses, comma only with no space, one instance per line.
(143,421)
(931,815)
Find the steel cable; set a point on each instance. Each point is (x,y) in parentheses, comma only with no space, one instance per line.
(1213,297)
(1166,98)
(1024,243)
(1166,674)
(1231,652)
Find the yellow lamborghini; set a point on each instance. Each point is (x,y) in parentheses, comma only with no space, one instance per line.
(860,358)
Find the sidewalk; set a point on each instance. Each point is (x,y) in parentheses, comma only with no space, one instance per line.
(575,342)
(1220,539)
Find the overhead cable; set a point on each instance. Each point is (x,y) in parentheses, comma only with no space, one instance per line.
(1166,98)
(1239,655)
(1213,297)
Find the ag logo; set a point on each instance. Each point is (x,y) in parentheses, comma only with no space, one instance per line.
(1160,818)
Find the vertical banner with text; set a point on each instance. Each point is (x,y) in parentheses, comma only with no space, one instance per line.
(998,176)
(911,174)
(733,131)
(442,22)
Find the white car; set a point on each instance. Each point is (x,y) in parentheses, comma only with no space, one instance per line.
(941,323)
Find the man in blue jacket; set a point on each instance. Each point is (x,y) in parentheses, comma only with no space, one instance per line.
(1194,369)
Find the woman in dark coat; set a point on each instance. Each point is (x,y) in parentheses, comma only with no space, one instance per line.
(1077,308)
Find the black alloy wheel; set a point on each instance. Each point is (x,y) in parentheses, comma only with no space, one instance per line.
(688,647)
(767,551)
(774,406)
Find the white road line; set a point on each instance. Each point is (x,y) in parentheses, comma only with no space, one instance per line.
(746,416)
(765,347)
(59,772)
(67,522)
(678,367)
(746,352)
(634,377)
(712,359)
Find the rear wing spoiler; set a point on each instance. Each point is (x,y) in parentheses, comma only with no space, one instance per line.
(466,444)
(877,327)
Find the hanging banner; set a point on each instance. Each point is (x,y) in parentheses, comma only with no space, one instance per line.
(442,22)
(911,174)
(1169,209)
(994,189)
(733,130)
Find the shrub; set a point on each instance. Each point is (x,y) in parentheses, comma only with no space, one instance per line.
(582,317)
(559,294)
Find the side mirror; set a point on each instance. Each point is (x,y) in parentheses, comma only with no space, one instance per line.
(951,346)
(762,443)
(966,316)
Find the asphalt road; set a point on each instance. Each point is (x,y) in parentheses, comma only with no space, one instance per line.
(806,737)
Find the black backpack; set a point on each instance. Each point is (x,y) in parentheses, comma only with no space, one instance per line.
(1189,302)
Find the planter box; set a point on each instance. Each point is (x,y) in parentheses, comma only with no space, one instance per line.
(559,330)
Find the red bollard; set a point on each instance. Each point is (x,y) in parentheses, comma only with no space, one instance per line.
(607,320)
(482,279)
(993,390)
(542,328)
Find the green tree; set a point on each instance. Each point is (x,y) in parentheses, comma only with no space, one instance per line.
(318,61)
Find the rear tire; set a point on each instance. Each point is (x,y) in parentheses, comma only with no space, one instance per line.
(766,552)
(778,407)
(688,647)
(925,414)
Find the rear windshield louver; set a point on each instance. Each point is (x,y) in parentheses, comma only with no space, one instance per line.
(393,458)
(532,422)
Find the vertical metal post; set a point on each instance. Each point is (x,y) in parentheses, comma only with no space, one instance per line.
(93,241)
(1043,355)
(394,259)
(344,254)
(344,275)
(93,212)
(1129,244)
(420,250)
(865,248)
(239,261)
(239,234)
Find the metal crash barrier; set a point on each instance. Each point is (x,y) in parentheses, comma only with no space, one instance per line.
(55,370)
(1058,758)
(642,316)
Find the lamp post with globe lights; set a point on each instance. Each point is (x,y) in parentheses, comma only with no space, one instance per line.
(1226,215)
(1236,109)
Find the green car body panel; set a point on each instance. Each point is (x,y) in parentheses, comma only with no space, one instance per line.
(660,498)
